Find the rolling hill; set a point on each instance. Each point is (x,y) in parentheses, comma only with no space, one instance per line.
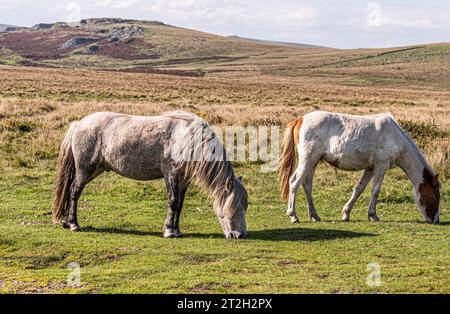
(154,47)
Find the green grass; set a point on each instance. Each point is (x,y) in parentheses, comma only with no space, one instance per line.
(121,248)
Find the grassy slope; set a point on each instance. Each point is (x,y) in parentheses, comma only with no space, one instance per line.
(121,248)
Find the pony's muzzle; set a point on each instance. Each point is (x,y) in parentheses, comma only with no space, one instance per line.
(235,235)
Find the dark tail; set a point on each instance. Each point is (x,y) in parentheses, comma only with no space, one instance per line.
(287,158)
(65,177)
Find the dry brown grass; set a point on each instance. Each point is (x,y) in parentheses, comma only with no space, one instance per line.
(37,104)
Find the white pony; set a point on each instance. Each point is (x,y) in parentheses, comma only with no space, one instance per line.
(374,143)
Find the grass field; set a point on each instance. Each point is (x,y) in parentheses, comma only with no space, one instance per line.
(121,248)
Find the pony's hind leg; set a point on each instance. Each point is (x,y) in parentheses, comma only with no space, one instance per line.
(307,187)
(305,167)
(294,183)
(357,190)
(75,192)
(82,177)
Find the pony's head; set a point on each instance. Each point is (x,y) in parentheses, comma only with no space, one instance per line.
(203,157)
(231,208)
(427,196)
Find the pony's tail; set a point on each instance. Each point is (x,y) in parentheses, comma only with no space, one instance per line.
(65,177)
(288,157)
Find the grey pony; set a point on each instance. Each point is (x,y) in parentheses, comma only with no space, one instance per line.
(148,148)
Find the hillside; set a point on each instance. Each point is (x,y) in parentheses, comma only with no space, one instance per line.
(154,47)
(138,46)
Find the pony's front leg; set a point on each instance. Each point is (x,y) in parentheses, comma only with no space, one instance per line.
(357,190)
(307,187)
(182,191)
(378,177)
(175,197)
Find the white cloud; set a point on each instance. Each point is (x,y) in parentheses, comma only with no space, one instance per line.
(116,4)
(374,17)
(378,16)
(73,10)
(229,11)
(418,24)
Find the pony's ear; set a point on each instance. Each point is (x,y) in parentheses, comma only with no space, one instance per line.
(436,179)
(229,185)
(239,179)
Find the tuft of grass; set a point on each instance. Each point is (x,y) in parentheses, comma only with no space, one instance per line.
(17,125)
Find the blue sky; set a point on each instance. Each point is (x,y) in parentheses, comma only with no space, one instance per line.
(333,23)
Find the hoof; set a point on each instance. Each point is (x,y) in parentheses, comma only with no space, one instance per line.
(295,220)
(172,234)
(314,217)
(345,217)
(374,218)
(75,227)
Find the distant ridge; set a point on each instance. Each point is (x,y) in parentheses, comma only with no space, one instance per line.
(278,43)
(153,47)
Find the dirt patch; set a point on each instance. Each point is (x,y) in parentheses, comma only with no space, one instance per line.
(205,287)
(35,262)
(195,259)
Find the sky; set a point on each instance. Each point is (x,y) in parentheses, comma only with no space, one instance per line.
(331,23)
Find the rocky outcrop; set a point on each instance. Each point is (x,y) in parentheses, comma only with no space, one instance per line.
(124,33)
(77,42)
(41,26)
(95,21)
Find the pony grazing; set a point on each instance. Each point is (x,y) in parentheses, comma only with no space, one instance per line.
(177,146)
(374,143)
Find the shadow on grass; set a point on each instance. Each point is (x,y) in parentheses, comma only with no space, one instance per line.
(297,234)
(120,231)
(302,234)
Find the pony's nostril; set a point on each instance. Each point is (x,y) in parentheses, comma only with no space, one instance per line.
(231,235)
(241,236)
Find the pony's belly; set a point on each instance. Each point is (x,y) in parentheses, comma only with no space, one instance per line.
(135,166)
(348,162)
(140,175)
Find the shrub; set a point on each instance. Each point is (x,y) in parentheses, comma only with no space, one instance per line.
(424,133)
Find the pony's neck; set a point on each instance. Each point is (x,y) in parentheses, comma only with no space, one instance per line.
(413,164)
(217,186)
